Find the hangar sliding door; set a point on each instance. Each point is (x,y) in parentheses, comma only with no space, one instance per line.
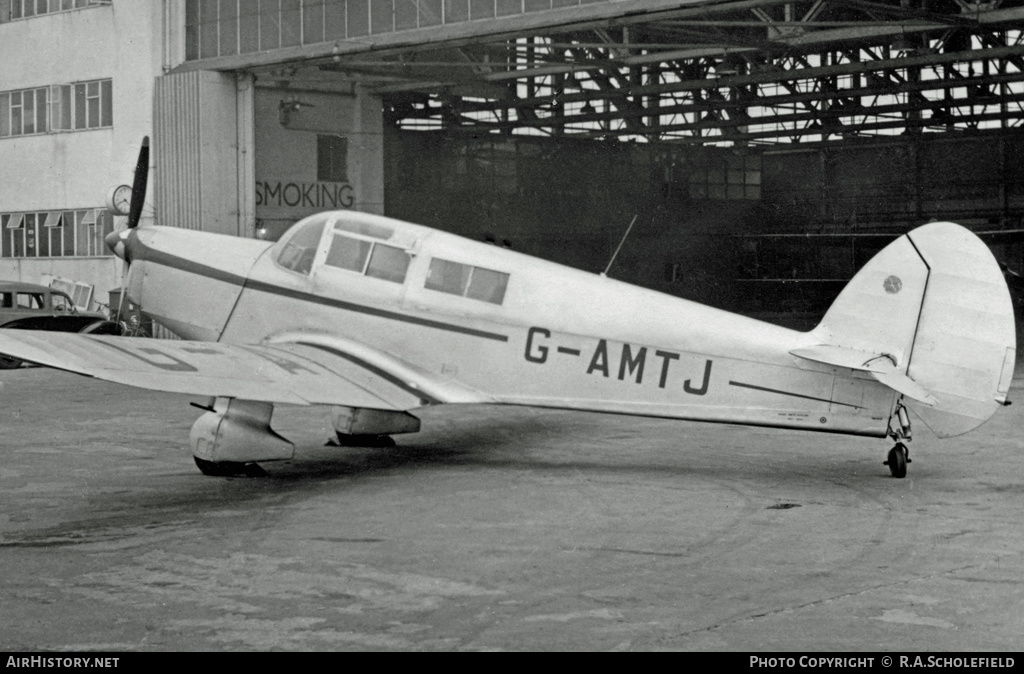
(202,152)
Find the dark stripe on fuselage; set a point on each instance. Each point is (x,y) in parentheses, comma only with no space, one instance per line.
(383,374)
(792,395)
(147,254)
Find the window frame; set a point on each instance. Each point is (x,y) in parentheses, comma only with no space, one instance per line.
(86,105)
(55,233)
(20,10)
(36,296)
(468,284)
(287,243)
(367,259)
(331,158)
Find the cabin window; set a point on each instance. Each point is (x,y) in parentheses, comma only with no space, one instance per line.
(487,285)
(448,277)
(373,259)
(388,263)
(299,250)
(476,283)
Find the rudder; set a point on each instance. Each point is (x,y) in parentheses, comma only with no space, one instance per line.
(966,339)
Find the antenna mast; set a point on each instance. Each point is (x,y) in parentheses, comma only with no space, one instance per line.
(616,253)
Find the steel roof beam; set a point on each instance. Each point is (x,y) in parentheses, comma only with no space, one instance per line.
(778,77)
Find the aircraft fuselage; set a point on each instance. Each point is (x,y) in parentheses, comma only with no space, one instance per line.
(515,329)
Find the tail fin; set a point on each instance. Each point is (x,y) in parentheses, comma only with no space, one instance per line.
(935,302)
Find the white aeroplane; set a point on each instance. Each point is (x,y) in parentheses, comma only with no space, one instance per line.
(376,318)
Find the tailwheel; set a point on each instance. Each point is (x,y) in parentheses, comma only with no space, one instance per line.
(229,468)
(898,460)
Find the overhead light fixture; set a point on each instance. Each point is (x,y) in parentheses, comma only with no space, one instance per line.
(289,105)
(903,44)
(729,65)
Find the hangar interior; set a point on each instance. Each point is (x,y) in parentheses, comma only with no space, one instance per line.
(763,150)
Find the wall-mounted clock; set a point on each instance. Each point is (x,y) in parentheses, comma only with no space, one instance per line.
(119,201)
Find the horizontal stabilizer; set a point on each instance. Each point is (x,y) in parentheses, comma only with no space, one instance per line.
(841,356)
(880,366)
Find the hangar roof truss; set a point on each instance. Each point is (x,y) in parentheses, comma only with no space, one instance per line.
(732,72)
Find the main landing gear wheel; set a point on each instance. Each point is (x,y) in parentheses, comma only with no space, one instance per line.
(345,440)
(7,363)
(229,468)
(899,457)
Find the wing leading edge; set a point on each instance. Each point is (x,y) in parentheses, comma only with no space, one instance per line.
(300,369)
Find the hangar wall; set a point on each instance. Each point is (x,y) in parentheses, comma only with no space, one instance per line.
(774,231)
(236,158)
(315,151)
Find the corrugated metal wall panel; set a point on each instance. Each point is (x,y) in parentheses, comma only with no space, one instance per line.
(176,148)
(196,151)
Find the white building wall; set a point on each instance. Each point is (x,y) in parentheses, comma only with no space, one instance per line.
(68,170)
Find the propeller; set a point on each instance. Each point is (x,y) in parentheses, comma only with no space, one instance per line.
(119,242)
(139,185)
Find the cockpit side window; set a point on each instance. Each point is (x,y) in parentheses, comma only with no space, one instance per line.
(374,259)
(298,250)
(348,253)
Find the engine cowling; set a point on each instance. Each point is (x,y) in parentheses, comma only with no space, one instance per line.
(238,431)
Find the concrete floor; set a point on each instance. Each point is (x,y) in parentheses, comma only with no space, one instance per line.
(499,529)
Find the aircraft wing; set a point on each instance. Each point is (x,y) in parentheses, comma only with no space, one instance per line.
(301,369)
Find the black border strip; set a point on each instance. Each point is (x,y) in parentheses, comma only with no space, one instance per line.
(792,395)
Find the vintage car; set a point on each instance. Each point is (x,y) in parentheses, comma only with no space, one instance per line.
(28,306)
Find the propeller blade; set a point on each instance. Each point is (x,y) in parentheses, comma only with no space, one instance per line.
(117,241)
(139,185)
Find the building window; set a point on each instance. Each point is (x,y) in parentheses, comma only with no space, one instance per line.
(55,233)
(332,159)
(61,107)
(732,177)
(228,27)
(11,10)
